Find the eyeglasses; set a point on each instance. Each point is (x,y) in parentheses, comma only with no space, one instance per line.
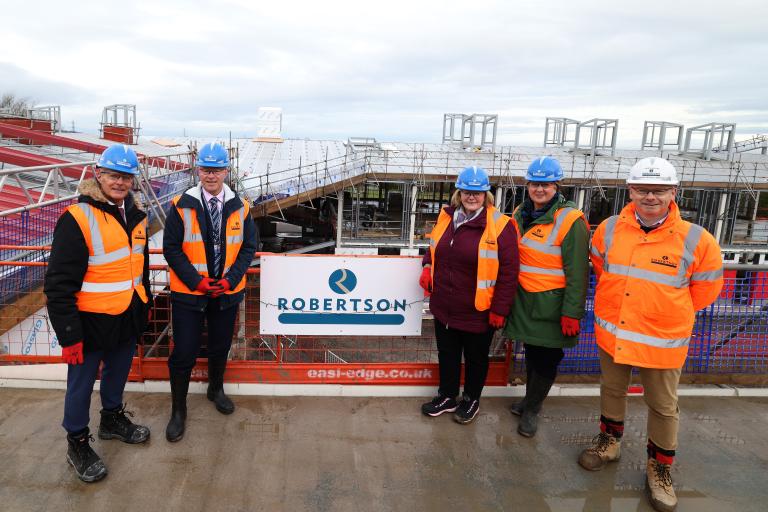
(206,170)
(644,192)
(542,185)
(472,193)
(115,177)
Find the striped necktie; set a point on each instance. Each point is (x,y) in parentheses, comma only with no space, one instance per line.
(216,228)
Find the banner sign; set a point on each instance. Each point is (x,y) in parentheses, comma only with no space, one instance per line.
(344,296)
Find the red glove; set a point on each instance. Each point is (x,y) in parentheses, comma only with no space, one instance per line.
(73,354)
(569,325)
(207,285)
(496,321)
(425,281)
(223,285)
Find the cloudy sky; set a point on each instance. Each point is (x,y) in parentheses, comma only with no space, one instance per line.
(390,69)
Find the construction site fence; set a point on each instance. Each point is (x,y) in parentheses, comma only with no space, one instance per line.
(34,227)
(729,337)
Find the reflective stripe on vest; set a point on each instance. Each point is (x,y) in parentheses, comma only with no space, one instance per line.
(110,254)
(641,338)
(678,281)
(487,253)
(193,246)
(644,310)
(541,262)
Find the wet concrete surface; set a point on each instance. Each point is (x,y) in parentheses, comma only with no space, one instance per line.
(377,454)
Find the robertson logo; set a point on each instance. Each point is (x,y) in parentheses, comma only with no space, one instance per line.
(355,310)
(342,281)
(664,261)
(538,232)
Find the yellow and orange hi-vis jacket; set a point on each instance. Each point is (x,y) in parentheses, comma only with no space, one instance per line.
(193,246)
(650,285)
(115,263)
(541,260)
(488,253)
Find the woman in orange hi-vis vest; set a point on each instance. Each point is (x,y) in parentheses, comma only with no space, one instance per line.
(654,271)
(471,270)
(97,286)
(553,240)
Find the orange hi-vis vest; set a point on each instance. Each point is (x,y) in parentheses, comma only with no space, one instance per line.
(541,257)
(487,253)
(193,246)
(650,285)
(115,262)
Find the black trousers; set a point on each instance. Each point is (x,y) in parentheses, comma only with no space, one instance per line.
(187,331)
(542,360)
(450,345)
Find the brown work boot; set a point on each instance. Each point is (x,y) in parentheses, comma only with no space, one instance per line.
(658,486)
(605,448)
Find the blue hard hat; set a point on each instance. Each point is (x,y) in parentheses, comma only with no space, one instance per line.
(120,158)
(212,154)
(544,168)
(473,178)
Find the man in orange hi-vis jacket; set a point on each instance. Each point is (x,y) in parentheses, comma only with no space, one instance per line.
(654,271)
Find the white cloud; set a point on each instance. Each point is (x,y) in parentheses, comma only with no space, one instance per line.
(391,69)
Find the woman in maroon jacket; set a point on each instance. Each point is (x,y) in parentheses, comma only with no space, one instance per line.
(471,270)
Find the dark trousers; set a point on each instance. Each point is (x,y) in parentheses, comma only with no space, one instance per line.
(187,331)
(80,380)
(450,345)
(543,360)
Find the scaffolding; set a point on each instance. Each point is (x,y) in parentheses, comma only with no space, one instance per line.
(556,130)
(655,136)
(119,123)
(475,131)
(707,134)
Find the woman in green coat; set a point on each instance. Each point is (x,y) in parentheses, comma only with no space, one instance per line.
(553,238)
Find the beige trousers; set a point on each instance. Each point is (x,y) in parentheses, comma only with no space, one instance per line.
(660,394)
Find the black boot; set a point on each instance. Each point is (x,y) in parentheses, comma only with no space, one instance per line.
(517,408)
(88,466)
(116,425)
(215,392)
(179,387)
(536,391)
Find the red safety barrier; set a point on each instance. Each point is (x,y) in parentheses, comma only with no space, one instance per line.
(27,337)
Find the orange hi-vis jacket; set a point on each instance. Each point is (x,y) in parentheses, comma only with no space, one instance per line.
(650,285)
(193,246)
(115,262)
(541,258)
(487,257)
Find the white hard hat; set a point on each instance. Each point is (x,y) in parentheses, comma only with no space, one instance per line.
(652,171)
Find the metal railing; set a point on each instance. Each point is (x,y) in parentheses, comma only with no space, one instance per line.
(729,337)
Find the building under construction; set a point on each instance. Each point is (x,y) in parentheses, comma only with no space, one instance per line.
(364,196)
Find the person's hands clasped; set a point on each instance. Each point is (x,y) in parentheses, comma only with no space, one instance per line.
(223,287)
(570,326)
(208,286)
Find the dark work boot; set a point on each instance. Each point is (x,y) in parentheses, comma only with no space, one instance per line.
(179,387)
(215,392)
(517,408)
(116,425)
(536,391)
(88,466)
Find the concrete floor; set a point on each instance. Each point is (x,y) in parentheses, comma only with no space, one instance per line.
(344,454)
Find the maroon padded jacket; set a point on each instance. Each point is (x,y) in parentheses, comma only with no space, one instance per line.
(455,275)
